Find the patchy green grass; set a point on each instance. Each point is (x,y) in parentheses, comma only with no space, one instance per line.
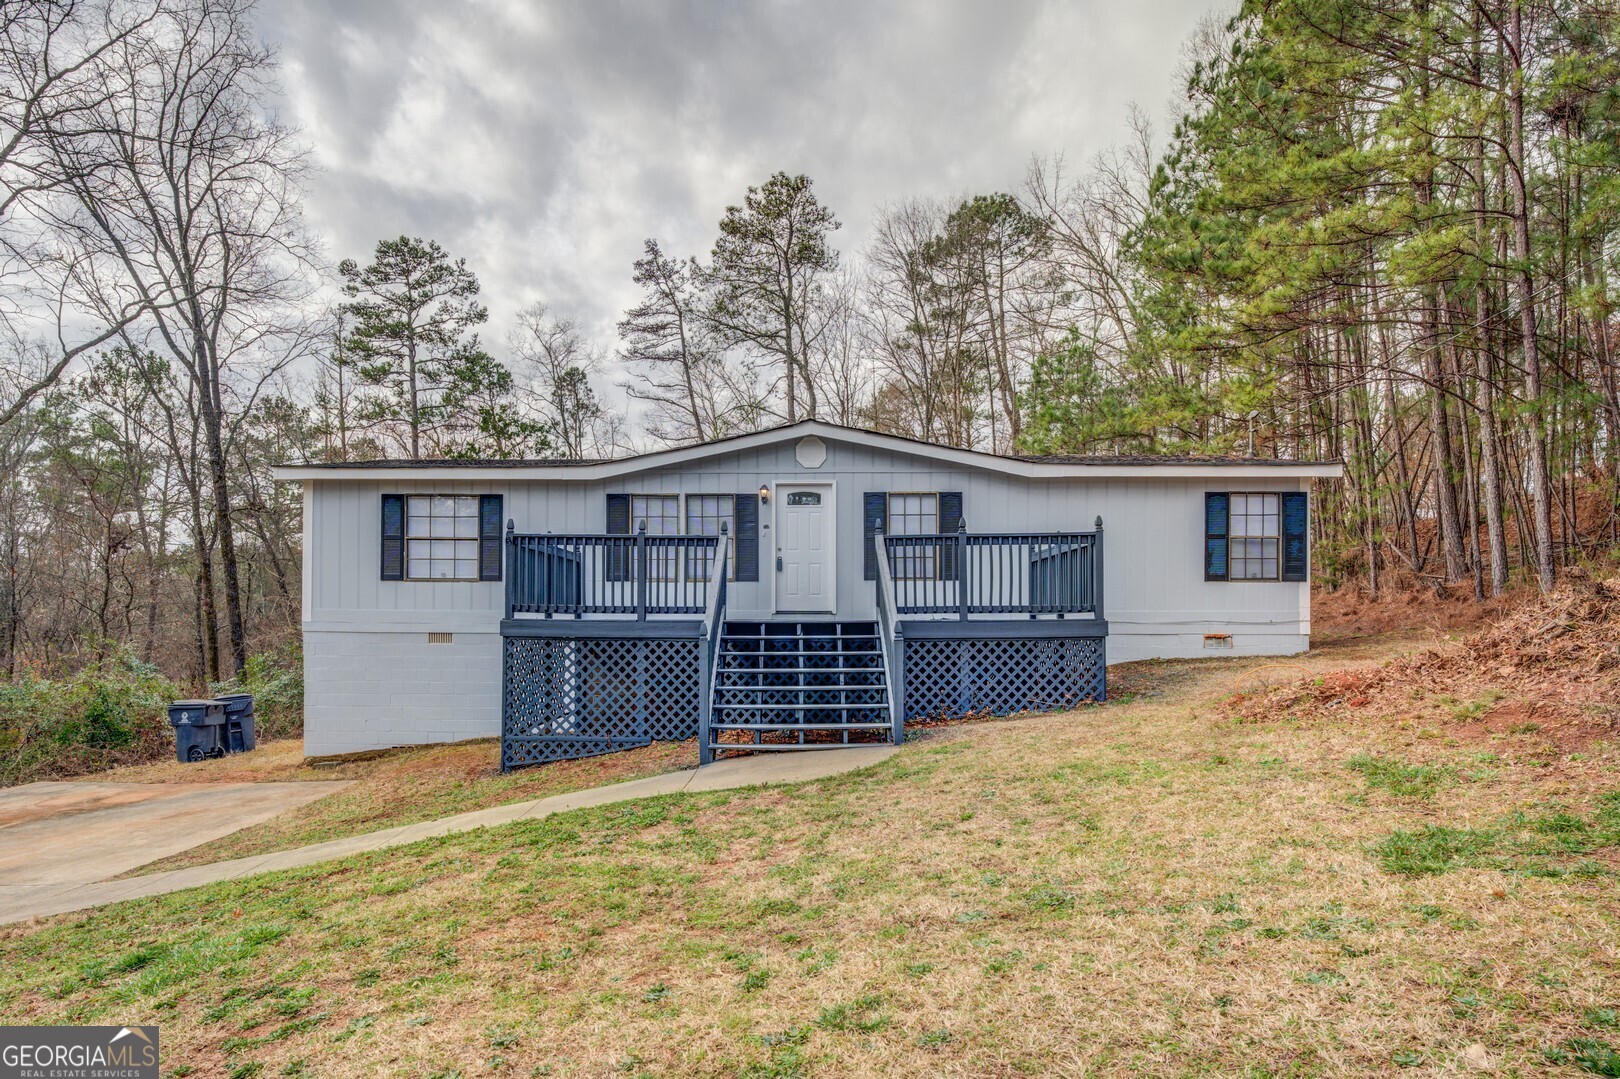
(1588,1054)
(1144,888)
(1401,779)
(1549,842)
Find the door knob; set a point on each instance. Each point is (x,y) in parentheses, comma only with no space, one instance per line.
(779,563)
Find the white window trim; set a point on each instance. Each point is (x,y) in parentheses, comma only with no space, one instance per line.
(683,559)
(409,539)
(931,559)
(730,535)
(1232,538)
(655,569)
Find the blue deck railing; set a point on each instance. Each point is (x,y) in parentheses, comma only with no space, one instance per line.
(638,575)
(962,574)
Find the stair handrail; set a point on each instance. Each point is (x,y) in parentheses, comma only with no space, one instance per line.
(889,634)
(714,617)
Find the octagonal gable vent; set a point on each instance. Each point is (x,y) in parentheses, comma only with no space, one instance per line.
(811,452)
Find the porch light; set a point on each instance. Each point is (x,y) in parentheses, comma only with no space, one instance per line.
(765,494)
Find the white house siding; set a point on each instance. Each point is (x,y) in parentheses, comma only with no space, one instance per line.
(370,689)
(373,680)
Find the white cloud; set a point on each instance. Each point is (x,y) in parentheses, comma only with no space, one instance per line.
(544,142)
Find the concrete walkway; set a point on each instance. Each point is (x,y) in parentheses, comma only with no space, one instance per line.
(58,836)
(797,767)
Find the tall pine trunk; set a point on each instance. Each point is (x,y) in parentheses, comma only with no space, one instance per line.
(1525,292)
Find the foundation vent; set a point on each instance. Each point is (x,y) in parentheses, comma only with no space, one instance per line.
(441,638)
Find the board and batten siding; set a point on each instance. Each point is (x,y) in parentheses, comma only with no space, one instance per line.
(373,680)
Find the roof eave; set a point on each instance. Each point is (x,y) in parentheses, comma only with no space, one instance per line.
(1027,470)
(680,455)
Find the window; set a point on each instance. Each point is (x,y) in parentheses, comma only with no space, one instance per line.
(660,512)
(914,515)
(662,515)
(1254,537)
(441,537)
(704,514)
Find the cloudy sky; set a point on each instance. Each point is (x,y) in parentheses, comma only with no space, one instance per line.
(544,141)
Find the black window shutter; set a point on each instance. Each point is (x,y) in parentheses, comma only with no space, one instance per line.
(1296,532)
(876,509)
(950,521)
(393,537)
(617,562)
(747,536)
(489,537)
(1217,522)
(618,515)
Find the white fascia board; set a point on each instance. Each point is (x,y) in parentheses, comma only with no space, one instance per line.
(674,458)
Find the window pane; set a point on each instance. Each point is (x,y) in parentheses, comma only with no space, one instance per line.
(914,515)
(1253,536)
(704,515)
(661,515)
(441,537)
(659,512)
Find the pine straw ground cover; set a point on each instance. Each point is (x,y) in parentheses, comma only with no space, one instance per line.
(1549,666)
(1154,886)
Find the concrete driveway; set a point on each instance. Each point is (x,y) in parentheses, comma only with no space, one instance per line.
(58,836)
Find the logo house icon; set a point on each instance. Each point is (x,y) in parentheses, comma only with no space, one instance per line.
(52,1052)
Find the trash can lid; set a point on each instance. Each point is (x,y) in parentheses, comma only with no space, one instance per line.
(191,704)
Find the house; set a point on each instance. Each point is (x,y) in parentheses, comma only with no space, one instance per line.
(804,586)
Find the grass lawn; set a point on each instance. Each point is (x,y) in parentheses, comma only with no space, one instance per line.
(1152,886)
(401,786)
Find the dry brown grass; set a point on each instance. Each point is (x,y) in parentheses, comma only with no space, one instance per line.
(1151,887)
(392,788)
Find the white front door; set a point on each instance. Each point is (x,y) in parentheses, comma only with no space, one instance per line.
(804,548)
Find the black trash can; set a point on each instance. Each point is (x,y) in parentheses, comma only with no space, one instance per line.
(238,722)
(199,728)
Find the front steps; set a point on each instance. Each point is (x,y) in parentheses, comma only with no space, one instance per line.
(799,685)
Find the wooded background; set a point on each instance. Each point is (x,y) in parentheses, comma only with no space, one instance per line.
(1379,233)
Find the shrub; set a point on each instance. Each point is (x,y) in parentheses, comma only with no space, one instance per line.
(116,712)
(109,714)
(276,681)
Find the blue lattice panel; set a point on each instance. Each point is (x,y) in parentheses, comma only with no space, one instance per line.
(568,697)
(946,678)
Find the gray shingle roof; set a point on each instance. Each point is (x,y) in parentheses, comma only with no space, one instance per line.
(1053,459)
